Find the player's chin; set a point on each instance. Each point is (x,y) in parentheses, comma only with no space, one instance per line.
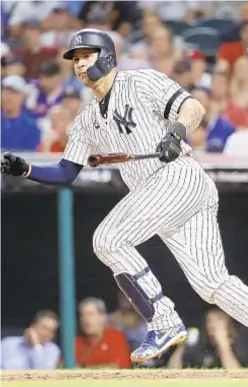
(86,81)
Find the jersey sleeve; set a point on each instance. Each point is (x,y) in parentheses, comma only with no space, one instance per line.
(167,95)
(80,144)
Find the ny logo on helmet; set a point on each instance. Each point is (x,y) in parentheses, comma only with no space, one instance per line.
(125,122)
(77,40)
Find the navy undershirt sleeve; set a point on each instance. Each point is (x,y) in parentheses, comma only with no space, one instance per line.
(64,172)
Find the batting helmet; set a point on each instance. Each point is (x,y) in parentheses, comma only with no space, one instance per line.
(92,38)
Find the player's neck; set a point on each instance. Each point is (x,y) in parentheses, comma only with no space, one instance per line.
(103,85)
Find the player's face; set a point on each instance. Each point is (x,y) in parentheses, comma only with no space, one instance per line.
(46,329)
(11,100)
(91,320)
(83,59)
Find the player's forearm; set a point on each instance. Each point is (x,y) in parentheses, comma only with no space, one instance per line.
(63,172)
(190,115)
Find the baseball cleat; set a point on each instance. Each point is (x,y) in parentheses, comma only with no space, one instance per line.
(157,342)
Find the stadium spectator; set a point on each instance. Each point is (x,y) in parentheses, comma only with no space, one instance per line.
(55,141)
(71,100)
(236,145)
(12,65)
(121,15)
(199,75)
(98,20)
(47,91)
(237,108)
(220,90)
(125,61)
(35,349)
(73,7)
(19,131)
(93,9)
(176,10)
(33,54)
(97,345)
(182,74)
(218,345)
(198,138)
(229,52)
(126,319)
(58,27)
(21,12)
(162,51)
(218,127)
(158,47)
(233,34)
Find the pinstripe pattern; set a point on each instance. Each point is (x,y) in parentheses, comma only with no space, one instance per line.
(160,204)
(177,201)
(147,92)
(198,249)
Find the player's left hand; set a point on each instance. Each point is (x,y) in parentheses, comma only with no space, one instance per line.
(170,147)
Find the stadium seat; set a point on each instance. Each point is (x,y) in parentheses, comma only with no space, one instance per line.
(176,26)
(221,25)
(205,39)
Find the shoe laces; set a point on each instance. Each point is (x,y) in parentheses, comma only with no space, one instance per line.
(149,338)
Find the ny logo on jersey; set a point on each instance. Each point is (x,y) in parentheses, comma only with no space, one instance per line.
(125,122)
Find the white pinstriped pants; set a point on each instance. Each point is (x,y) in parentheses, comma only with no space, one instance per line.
(179,203)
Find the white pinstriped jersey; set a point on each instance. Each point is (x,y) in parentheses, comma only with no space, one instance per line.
(141,105)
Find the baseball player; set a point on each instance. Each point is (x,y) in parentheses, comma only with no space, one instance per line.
(143,111)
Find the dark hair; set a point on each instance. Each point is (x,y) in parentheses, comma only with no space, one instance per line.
(45,313)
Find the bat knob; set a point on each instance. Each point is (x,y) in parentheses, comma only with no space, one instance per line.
(93,160)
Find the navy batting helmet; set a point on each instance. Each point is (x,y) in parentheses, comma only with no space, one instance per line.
(92,38)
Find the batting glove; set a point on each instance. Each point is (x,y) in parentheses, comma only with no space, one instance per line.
(14,165)
(170,146)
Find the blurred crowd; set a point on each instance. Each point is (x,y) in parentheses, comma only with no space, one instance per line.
(105,340)
(202,45)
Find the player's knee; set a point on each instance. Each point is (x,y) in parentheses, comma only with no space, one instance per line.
(102,242)
(208,292)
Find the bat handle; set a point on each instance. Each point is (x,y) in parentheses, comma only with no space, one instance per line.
(148,156)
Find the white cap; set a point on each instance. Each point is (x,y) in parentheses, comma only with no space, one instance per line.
(4,49)
(15,82)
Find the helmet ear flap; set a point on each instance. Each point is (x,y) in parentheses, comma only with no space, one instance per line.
(102,67)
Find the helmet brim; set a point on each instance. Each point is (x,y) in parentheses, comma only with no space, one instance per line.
(69,54)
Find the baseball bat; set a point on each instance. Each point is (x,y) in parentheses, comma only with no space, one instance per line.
(113,158)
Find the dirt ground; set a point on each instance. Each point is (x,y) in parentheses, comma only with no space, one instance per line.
(127,374)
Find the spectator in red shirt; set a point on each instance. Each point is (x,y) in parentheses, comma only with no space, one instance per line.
(229,52)
(99,346)
(60,120)
(33,54)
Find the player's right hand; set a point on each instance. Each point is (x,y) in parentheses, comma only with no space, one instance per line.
(13,165)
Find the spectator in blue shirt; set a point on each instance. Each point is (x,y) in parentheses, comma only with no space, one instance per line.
(218,127)
(35,349)
(19,130)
